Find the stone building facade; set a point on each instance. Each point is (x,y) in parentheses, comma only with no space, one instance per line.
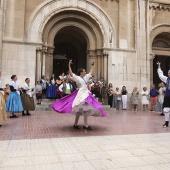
(125,38)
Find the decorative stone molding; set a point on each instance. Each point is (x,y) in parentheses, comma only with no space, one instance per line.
(110,0)
(159,26)
(120,50)
(152,56)
(157,30)
(21,42)
(159,6)
(45,11)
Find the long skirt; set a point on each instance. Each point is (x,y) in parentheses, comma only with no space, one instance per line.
(3,115)
(90,106)
(51,92)
(27,102)
(14,103)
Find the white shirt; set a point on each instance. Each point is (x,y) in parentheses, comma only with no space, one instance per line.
(83,92)
(61,87)
(161,75)
(28,88)
(15,85)
(118,93)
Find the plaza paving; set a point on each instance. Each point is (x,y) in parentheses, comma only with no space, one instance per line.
(124,140)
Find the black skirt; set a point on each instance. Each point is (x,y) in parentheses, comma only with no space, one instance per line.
(166,102)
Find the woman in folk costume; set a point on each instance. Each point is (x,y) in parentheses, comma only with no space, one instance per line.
(81,102)
(7,91)
(27,98)
(14,103)
(3,115)
(52,88)
(166,103)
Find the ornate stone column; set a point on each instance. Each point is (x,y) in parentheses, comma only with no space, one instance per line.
(152,56)
(105,56)
(49,62)
(92,57)
(99,65)
(1,29)
(44,51)
(38,64)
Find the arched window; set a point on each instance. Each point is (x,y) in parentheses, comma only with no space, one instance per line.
(161,44)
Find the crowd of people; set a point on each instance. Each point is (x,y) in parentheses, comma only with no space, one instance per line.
(15,99)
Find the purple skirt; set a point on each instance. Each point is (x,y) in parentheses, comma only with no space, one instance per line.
(64,105)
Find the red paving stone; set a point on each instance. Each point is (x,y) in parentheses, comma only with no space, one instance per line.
(49,124)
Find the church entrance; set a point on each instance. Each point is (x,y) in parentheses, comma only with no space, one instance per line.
(161,49)
(69,44)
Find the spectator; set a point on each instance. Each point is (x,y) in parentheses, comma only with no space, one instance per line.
(124,97)
(145,98)
(134,98)
(153,97)
(38,91)
(117,98)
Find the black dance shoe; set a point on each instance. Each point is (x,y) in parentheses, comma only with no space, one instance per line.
(166,124)
(13,116)
(162,114)
(87,128)
(76,127)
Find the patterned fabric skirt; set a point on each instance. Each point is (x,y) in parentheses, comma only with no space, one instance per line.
(14,103)
(27,102)
(90,106)
(3,115)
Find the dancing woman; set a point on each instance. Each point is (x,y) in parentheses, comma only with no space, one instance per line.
(81,102)
(14,103)
(166,103)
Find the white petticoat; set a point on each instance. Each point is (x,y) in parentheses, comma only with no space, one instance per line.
(86,108)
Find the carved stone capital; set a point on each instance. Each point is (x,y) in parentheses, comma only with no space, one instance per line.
(110,0)
(92,53)
(152,56)
(99,52)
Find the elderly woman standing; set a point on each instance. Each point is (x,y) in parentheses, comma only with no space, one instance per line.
(27,98)
(134,98)
(145,98)
(3,116)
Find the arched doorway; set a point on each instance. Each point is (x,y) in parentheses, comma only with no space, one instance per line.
(94,24)
(161,49)
(69,44)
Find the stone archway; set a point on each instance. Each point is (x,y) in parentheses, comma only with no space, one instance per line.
(160,45)
(95,26)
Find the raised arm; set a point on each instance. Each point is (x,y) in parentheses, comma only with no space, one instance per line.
(69,67)
(160,73)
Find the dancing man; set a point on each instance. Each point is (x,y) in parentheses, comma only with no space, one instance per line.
(166,103)
(81,102)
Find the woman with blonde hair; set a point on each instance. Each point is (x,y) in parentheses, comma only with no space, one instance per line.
(134,98)
(145,98)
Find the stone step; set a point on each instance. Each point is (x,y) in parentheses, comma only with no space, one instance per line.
(46,106)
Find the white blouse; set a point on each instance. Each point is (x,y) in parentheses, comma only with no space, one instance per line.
(15,85)
(28,89)
(83,92)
